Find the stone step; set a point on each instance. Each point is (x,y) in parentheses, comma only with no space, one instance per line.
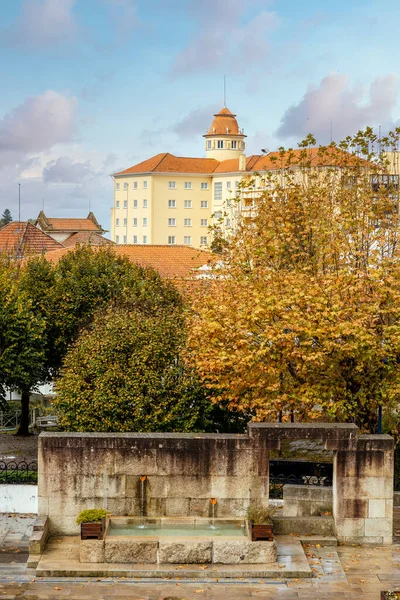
(320,526)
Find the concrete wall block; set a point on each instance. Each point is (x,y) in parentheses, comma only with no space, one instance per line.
(187,552)
(199,507)
(313,493)
(43,506)
(378,527)
(363,487)
(238,487)
(136,462)
(376,508)
(353,508)
(389,509)
(131,551)
(108,486)
(92,551)
(60,524)
(177,507)
(156,507)
(349,528)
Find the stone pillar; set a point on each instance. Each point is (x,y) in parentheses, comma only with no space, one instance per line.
(363,491)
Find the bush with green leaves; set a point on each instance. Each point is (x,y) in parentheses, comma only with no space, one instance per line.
(92,515)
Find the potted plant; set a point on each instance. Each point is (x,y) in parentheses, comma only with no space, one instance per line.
(93,523)
(390,595)
(260,523)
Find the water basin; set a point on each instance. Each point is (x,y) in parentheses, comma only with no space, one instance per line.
(194,528)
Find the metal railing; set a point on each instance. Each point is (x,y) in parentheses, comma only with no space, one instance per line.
(18,472)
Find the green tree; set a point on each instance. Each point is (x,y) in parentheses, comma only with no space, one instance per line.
(67,295)
(125,373)
(22,330)
(303,312)
(6,218)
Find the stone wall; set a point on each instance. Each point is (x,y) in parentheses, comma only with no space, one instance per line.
(183,472)
(306,500)
(363,491)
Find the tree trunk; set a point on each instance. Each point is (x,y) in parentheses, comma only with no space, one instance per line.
(24,424)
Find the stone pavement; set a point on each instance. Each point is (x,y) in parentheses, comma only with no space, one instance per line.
(352,573)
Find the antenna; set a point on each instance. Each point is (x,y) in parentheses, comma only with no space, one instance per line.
(19,203)
(42,204)
(331,132)
(224,91)
(380,150)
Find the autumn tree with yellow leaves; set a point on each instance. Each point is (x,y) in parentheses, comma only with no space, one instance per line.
(301,314)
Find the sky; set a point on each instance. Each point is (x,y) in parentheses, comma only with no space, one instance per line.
(90,87)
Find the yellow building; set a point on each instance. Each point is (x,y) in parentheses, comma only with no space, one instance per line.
(174,200)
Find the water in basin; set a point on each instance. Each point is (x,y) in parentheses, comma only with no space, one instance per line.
(179,529)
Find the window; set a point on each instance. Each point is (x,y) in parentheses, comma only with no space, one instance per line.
(204,222)
(125,203)
(237,185)
(144,203)
(117,204)
(228,185)
(116,222)
(187,222)
(117,186)
(234,144)
(171,240)
(124,239)
(172,185)
(125,186)
(228,222)
(145,239)
(217,214)
(171,222)
(187,240)
(135,204)
(135,222)
(204,186)
(125,223)
(135,187)
(204,204)
(220,143)
(188,185)
(203,240)
(144,221)
(145,185)
(218,191)
(135,239)
(117,239)
(188,204)
(171,203)
(208,144)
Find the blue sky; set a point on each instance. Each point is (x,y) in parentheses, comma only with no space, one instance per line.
(93,86)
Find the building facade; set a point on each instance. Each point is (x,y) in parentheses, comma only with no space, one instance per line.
(170,200)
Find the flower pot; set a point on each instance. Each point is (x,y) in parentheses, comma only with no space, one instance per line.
(390,595)
(93,531)
(263,532)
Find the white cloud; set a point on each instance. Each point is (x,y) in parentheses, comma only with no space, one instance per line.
(349,108)
(226,37)
(37,124)
(42,23)
(66,170)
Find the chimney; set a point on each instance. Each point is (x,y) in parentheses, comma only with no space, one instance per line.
(242,162)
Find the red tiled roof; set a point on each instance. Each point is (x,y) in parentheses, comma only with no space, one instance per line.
(91,238)
(20,239)
(168,163)
(72,225)
(224,123)
(172,262)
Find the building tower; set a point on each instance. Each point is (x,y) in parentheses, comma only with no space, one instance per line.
(225,139)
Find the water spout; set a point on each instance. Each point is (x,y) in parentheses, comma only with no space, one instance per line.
(213,503)
(143,478)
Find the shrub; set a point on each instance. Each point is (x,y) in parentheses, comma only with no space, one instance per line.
(259,515)
(93,515)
